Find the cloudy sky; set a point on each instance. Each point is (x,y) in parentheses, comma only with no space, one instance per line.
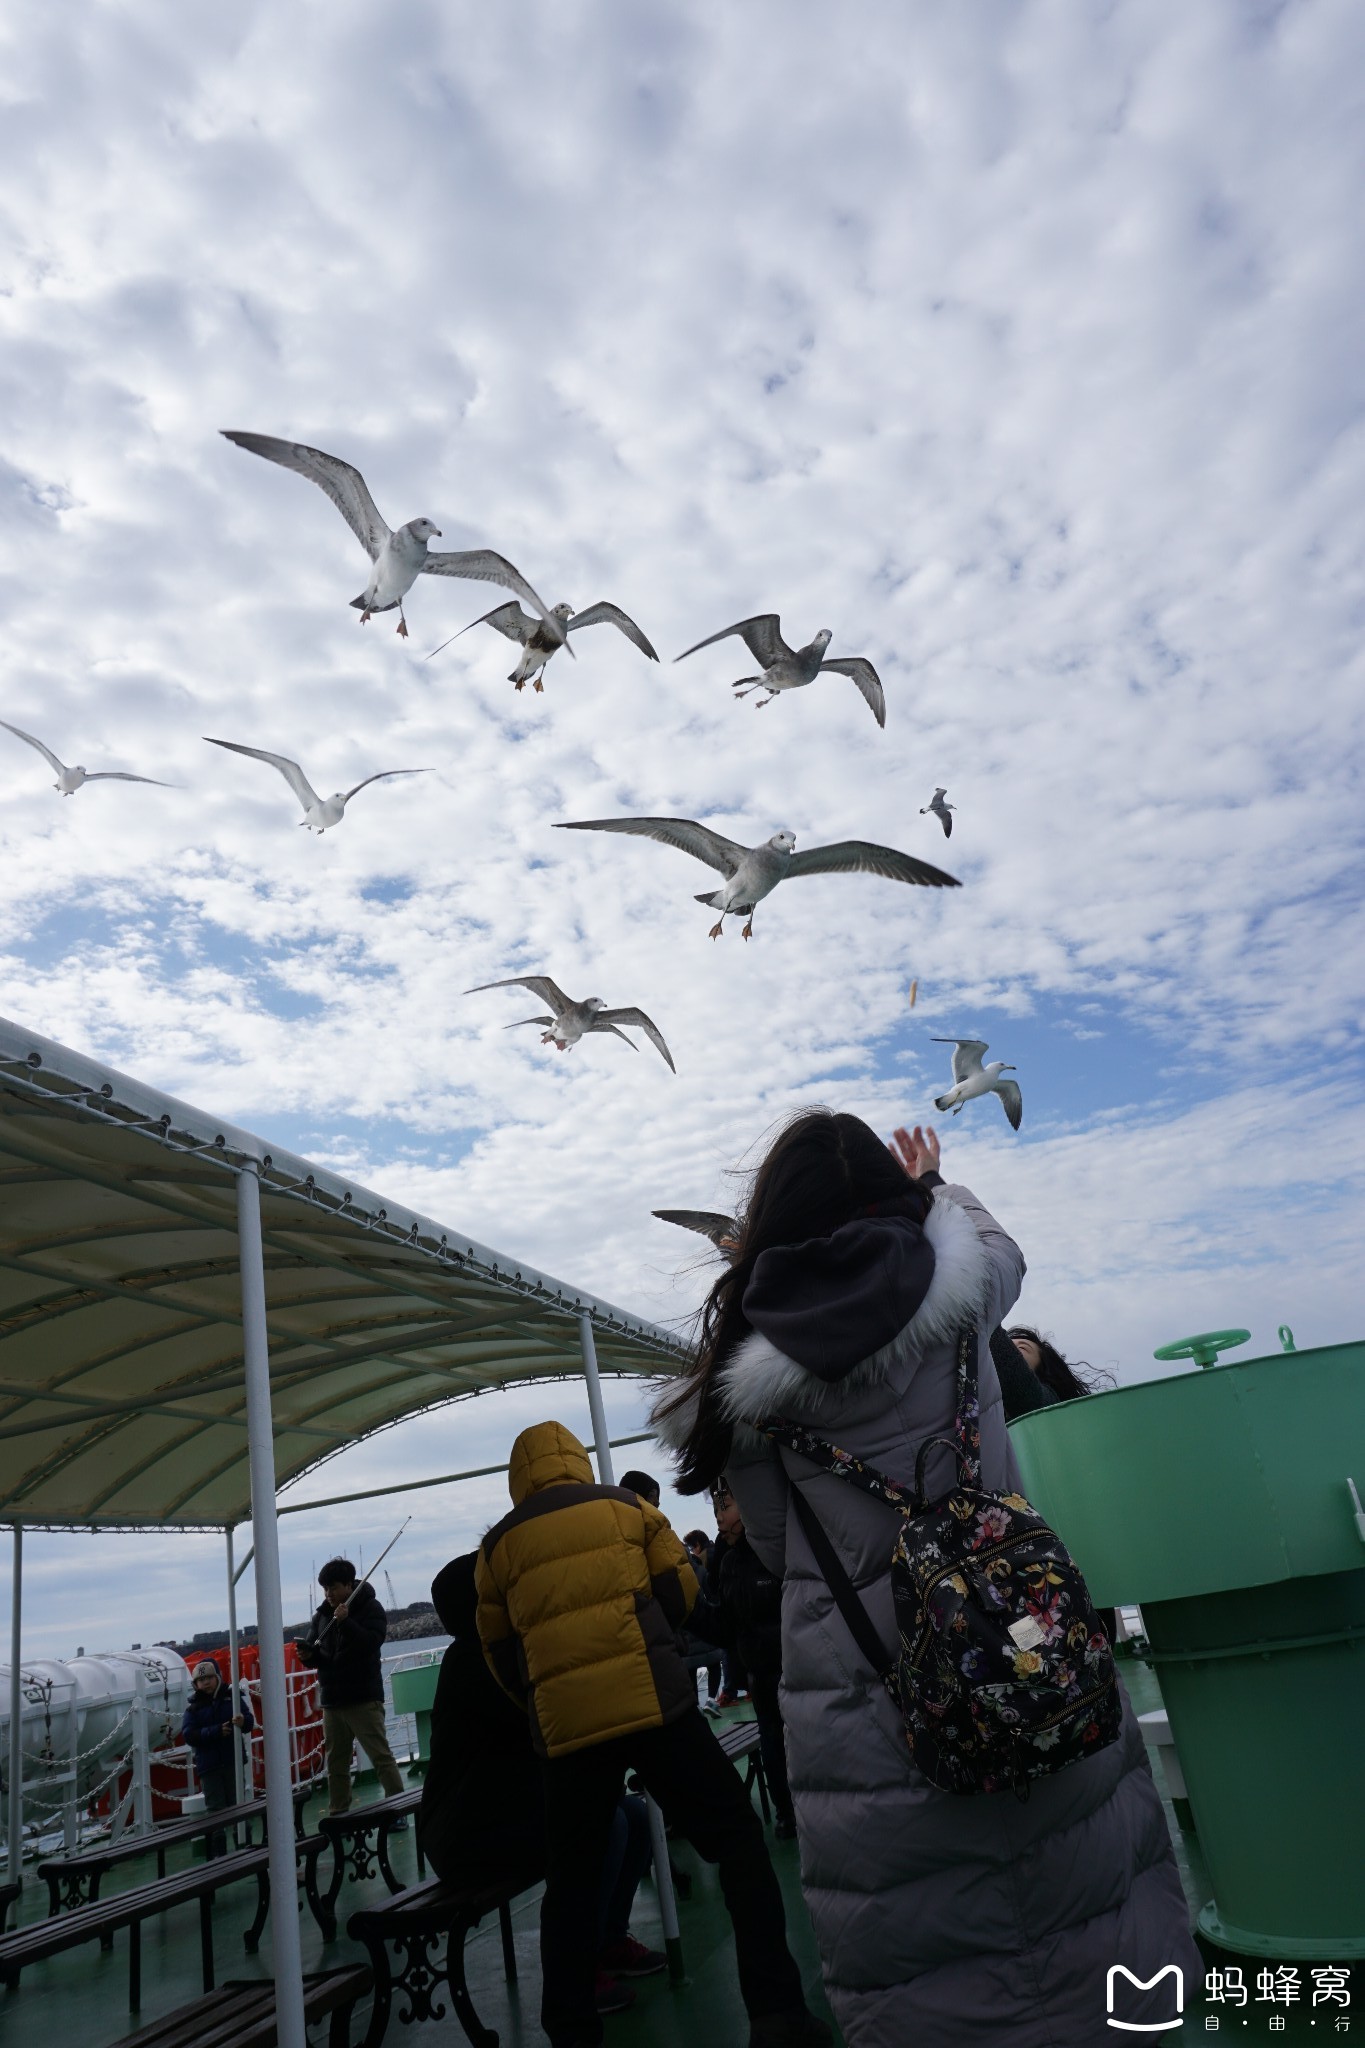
(1019,344)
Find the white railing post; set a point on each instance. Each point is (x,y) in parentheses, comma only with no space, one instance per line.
(142,1762)
(605,1471)
(15,1844)
(234,1673)
(70,1808)
(279,1803)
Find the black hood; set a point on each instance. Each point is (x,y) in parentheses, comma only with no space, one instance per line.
(453,1595)
(832,1301)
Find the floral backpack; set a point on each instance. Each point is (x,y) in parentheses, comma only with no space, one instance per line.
(1003,1671)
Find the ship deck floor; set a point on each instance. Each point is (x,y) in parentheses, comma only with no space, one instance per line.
(79,2000)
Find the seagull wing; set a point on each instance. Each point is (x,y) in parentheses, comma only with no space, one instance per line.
(966,1057)
(343,483)
(509,619)
(384,775)
(521,1020)
(46,752)
(861,857)
(481,565)
(706,1222)
(760,635)
(699,840)
(869,683)
(1009,1094)
(938,796)
(119,775)
(607,1020)
(539,985)
(290,770)
(605,614)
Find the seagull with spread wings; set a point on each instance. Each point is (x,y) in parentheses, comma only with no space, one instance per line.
(398,558)
(69,780)
(791,668)
(318,812)
(722,1230)
(538,643)
(569,1020)
(970,1079)
(939,808)
(753,872)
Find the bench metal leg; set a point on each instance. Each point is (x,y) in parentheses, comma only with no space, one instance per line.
(475,2031)
(320,1908)
(381,1855)
(206,1938)
(509,1953)
(756,1771)
(252,1937)
(135,1966)
(383,1994)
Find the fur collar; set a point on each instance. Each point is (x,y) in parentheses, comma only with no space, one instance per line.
(760,1380)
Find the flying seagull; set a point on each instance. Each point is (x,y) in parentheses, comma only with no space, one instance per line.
(397,559)
(538,643)
(753,872)
(707,1222)
(318,812)
(69,780)
(941,810)
(569,1020)
(970,1078)
(787,668)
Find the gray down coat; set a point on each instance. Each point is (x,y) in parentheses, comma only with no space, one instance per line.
(943,1921)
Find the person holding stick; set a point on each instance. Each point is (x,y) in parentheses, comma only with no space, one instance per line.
(342,1645)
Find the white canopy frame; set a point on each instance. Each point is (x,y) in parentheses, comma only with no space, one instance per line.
(373,1311)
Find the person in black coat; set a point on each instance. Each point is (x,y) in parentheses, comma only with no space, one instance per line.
(342,1645)
(742,1607)
(210,1727)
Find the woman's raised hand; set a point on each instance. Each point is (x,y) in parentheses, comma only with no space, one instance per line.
(917,1150)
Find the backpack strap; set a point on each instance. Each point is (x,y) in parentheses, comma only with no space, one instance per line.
(967,1425)
(842,1463)
(844,1591)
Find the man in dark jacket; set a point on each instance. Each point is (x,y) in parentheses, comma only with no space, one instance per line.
(742,1608)
(342,1645)
(210,1727)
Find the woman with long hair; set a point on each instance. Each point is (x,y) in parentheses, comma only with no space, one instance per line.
(944,1920)
(1061,1376)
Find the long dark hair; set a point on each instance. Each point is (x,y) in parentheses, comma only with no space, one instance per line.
(1058,1373)
(823,1169)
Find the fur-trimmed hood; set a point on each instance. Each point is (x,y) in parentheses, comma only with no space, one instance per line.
(760,1381)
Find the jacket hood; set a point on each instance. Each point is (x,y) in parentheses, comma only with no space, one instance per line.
(547,1454)
(831,1301)
(454,1596)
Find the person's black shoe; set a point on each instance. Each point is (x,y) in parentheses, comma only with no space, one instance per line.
(609,1996)
(800,2029)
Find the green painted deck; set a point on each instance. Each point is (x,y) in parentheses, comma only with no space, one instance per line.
(81,1998)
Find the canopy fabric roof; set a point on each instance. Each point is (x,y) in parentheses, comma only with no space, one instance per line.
(122,1396)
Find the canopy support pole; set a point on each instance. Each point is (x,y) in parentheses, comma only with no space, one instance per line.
(284,1920)
(605,1473)
(234,1674)
(658,1840)
(15,1844)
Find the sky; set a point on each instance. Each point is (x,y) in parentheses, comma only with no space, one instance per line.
(1018,344)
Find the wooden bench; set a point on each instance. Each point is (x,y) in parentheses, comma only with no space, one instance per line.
(67,1877)
(243,2015)
(356,1854)
(740,1742)
(104,1917)
(413,1922)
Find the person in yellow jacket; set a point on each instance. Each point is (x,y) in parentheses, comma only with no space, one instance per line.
(581,1590)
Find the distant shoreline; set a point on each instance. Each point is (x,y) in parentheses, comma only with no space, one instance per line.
(405,1623)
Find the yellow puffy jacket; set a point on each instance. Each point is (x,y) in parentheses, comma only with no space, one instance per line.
(581,1589)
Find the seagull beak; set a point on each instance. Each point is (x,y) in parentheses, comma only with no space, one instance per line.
(439,534)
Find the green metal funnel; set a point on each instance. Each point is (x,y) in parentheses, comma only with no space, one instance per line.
(1225,1502)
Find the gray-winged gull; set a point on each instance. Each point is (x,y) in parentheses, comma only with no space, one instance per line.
(537,644)
(397,558)
(318,812)
(706,1222)
(970,1079)
(791,668)
(753,872)
(569,1020)
(940,810)
(69,780)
